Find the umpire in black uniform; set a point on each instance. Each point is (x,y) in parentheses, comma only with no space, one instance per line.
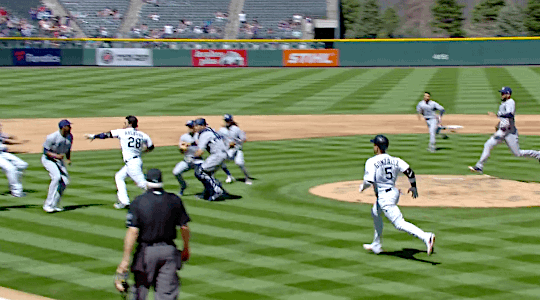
(152,220)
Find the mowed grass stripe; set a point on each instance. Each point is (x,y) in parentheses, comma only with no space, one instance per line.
(403,94)
(474,92)
(499,77)
(438,87)
(363,97)
(304,88)
(239,99)
(528,82)
(322,100)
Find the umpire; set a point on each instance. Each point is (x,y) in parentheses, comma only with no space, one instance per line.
(152,220)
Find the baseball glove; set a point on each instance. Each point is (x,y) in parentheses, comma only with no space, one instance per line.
(121,284)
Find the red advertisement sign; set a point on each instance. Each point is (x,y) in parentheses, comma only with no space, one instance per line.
(219,58)
(311,58)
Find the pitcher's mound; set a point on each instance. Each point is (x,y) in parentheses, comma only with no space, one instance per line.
(444,191)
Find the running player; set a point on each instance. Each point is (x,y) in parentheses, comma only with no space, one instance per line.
(427,108)
(381,171)
(133,143)
(506,132)
(187,146)
(235,139)
(11,164)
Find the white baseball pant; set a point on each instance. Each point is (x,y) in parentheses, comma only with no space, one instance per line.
(59,180)
(511,137)
(133,169)
(433,125)
(14,168)
(237,155)
(387,203)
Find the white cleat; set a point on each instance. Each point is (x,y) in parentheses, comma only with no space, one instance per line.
(58,208)
(229,179)
(48,209)
(430,244)
(476,169)
(120,205)
(248,181)
(372,248)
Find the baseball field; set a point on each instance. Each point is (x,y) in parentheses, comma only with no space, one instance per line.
(279,241)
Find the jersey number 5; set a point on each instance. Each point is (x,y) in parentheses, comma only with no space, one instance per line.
(388,171)
(134,143)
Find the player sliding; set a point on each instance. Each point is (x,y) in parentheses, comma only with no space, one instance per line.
(506,132)
(133,142)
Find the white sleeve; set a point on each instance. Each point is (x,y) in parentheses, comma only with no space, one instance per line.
(48,142)
(116,133)
(418,108)
(369,172)
(403,166)
(511,108)
(148,141)
(438,106)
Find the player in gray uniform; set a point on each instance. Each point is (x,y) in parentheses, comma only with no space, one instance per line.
(427,108)
(212,142)
(506,132)
(57,146)
(188,146)
(11,164)
(234,138)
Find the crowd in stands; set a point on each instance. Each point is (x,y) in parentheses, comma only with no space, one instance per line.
(184,29)
(40,22)
(290,28)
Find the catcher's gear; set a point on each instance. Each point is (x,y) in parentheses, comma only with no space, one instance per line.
(121,284)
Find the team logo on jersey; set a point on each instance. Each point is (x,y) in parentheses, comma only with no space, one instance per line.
(107,57)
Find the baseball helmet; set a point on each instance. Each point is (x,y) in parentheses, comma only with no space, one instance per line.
(227,118)
(506,90)
(190,123)
(200,121)
(381,141)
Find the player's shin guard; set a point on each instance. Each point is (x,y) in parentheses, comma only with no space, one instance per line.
(209,182)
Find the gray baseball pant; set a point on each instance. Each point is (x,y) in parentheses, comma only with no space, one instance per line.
(59,180)
(160,272)
(512,141)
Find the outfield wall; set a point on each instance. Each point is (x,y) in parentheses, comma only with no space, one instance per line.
(345,54)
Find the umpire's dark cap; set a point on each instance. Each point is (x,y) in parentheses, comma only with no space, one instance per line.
(381,141)
(154,176)
(190,123)
(200,121)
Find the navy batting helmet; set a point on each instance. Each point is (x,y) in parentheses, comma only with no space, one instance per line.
(200,121)
(190,123)
(381,141)
(506,90)
(227,118)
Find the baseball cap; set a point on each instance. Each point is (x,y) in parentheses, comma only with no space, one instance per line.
(506,90)
(190,123)
(381,141)
(200,121)
(63,123)
(154,176)
(227,117)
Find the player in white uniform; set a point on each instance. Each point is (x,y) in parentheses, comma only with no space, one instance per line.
(212,142)
(11,164)
(506,132)
(188,146)
(427,108)
(234,138)
(381,171)
(133,143)
(57,146)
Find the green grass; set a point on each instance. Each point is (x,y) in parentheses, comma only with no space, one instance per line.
(279,241)
(83,92)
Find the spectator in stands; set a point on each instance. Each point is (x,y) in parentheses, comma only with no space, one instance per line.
(297,19)
(116,14)
(154,17)
(167,31)
(242,17)
(3,12)
(33,13)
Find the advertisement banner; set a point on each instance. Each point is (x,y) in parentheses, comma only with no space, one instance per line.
(311,58)
(124,57)
(219,58)
(37,57)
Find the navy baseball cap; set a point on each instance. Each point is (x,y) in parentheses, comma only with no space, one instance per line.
(154,176)
(506,90)
(200,121)
(190,124)
(227,117)
(63,123)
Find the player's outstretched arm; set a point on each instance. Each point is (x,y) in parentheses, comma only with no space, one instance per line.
(412,180)
(103,135)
